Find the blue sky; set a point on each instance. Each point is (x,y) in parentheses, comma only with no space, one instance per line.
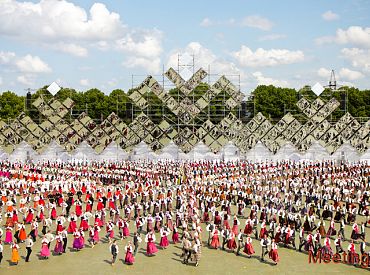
(85,44)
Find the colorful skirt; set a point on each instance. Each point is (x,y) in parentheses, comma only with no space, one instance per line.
(151,248)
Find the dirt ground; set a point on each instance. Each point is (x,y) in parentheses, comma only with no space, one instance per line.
(97,260)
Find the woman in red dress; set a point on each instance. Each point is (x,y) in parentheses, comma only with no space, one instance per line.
(273,254)
(129,259)
(248,248)
(215,243)
(151,248)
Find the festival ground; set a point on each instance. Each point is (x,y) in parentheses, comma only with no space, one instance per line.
(97,260)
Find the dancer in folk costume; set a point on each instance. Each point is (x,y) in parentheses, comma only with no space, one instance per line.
(72,223)
(22,236)
(248,227)
(231,243)
(273,254)
(236,223)
(263,230)
(248,248)
(58,249)
(45,252)
(331,229)
(151,248)
(84,224)
(129,258)
(352,253)
(34,229)
(15,253)
(125,229)
(164,232)
(136,241)
(109,231)
(355,231)
(175,235)
(60,221)
(226,219)
(8,235)
(77,245)
(215,242)
(113,248)
(29,217)
(327,246)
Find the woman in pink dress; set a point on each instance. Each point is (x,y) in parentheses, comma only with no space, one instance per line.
(236,223)
(248,248)
(164,240)
(151,248)
(231,243)
(129,259)
(8,235)
(45,252)
(125,229)
(273,254)
(175,235)
(215,243)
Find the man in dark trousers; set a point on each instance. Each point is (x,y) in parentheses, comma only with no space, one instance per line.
(65,240)
(29,244)
(136,242)
(265,243)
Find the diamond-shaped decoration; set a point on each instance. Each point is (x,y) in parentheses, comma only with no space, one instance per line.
(317,89)
(53,88)
(186,74)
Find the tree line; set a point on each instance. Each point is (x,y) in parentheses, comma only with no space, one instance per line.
(273,102)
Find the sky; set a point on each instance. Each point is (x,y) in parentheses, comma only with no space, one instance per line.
(85,44)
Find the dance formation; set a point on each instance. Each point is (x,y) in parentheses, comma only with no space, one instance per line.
(304,206)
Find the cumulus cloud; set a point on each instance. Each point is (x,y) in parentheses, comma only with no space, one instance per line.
(359,58)
(256,21)
(32,64)
(266,58)
(27,80)
(6,57)
(354,35)
(69,28)
(330,16)
(72,49)
(348,74)
(324,73)
(262,80)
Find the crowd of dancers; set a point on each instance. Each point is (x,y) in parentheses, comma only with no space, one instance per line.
(304,206)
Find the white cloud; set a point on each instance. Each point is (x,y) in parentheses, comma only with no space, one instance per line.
(324,73)
(262,80)
(206,22)
(69,28)
(271,37)
(354,35)
(6,57)
(252,21)
(256,21)
(84,82)
(348,74)
(27,80)
(143,44)
(329,16)
(32,64)
(261,57)
(151,65)
(359,58)
(54,19)
(72,49)
(1,80)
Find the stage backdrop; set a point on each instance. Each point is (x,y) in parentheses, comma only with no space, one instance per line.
(193,136)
